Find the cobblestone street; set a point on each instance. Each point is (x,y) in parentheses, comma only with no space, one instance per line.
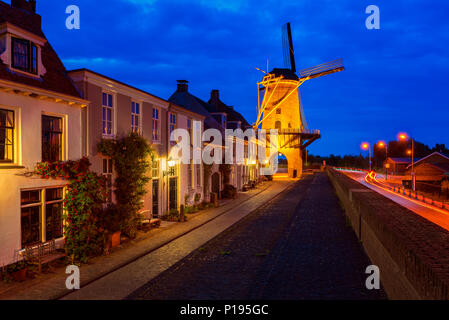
(298,246)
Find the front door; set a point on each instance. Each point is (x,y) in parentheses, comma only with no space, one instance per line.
(216,184)
(173,193)
(155,198)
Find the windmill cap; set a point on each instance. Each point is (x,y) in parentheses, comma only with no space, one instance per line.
(287,73)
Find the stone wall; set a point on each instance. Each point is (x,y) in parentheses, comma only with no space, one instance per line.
(411,252)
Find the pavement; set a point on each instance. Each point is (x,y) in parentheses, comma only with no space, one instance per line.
(298,246)
(436,216)
(164,246)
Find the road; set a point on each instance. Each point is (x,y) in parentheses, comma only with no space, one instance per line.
(298,246)
(438,217)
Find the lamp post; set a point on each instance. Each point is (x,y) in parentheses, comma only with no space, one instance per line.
(405,137)
(383,144)
(367,146)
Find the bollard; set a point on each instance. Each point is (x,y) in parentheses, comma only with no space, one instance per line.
(181,214)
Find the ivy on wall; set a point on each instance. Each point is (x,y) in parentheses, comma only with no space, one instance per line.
(130,155)
(84,199)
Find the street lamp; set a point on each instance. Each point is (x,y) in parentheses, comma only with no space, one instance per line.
(366,146)
(383,144)
(405,137)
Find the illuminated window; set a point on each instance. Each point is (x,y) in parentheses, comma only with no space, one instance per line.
(24,55)
(6,135)
(135,117)
(172,125)
(155,169)
(41,215)
(155,124)
(107,113)
(51,139)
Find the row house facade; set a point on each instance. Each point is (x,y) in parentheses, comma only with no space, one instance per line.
(117,109)
(48,114)
(41,115)
(220,117)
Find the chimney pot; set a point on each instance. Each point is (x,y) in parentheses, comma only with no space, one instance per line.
(29,6)
(215,95)
(183,85)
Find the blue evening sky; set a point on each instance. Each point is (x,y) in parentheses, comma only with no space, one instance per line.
(396,78)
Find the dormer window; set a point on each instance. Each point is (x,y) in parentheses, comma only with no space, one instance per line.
(24,55)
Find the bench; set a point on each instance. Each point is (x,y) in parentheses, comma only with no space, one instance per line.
(151,222)
(43,253)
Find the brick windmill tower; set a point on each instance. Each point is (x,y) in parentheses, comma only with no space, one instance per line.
(281,106)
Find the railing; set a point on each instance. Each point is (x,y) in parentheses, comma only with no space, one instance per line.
(298,131)
(328,66)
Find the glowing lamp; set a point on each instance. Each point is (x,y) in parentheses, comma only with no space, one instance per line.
(365,146)
(171,164)
(402,136)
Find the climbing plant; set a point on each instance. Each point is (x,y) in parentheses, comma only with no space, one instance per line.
(86,193)
(130,155)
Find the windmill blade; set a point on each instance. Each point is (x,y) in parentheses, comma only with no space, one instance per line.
(322,69)
(287,46)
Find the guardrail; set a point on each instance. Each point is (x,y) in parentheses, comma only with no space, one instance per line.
(371,178)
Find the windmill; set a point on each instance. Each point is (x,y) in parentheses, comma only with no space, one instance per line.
(281,106)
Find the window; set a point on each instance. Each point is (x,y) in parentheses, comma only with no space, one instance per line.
(198,174)
(135,117)
(155,169)
(190,130)
(24,55)
(155,124)
(41,210)
(107,172)
(172,122)
(51,139)
(6,135)
(190,175)
(172,125)
(278,111)
(107,114)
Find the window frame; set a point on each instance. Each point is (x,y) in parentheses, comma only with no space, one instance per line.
(32,56)
(61,134)
(136,112)
(13,129)
(109,106)
(108,172)
(156,137)
(42,204)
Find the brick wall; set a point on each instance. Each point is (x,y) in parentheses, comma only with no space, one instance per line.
(411,252)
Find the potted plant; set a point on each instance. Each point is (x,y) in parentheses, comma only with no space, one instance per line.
(18,270)
(110,219)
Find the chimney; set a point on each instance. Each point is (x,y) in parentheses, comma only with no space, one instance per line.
(29,6)
(215,95)
(183,85)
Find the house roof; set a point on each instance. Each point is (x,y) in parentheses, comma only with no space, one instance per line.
(56,78)
(194,104)
(400,160)
(443,156)
(216,104)
(114,80)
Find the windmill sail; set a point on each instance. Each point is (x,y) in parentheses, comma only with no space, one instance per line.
(287,46)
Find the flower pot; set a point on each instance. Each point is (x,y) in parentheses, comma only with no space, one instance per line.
(20,275)
(115,239)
